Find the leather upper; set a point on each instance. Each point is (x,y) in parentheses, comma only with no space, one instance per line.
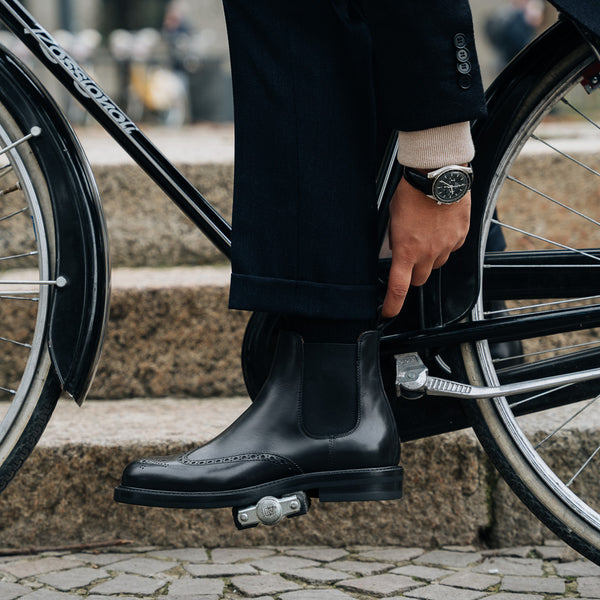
(269,440)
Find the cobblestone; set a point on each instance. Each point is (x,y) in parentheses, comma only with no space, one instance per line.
(442,592)
(301,573)
(449,558)
(382,585)
(589,586)
(512,566)
(545,585)
(578,568)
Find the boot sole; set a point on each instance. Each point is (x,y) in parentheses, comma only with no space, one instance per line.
(329,486)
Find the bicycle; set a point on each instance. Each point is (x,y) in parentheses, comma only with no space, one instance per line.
(540,291)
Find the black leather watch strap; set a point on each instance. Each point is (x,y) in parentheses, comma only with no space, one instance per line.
(419,181)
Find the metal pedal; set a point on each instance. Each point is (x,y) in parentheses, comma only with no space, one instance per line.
(270,510)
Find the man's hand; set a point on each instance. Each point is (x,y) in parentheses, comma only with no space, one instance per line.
(422,236)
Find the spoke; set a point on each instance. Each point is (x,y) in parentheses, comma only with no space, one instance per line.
(565,101)
(540,395)
(540,352)
(15,342)
(585,464)
(8,391)
(5,170)
(31,299)
(543,239)
(24,255)
(14,214)
(60,282)
(565,155)
(540,305)
(550,199)
(550,435)
(34,132)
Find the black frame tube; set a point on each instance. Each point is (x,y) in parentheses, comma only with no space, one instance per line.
(84,89)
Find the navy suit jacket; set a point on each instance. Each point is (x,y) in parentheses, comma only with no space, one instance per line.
(585,11)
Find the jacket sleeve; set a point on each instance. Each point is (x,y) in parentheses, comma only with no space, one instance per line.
(425,63)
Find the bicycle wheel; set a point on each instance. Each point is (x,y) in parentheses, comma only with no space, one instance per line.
(544,193)
(29,387)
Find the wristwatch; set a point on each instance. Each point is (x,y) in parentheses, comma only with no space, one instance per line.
(446,185)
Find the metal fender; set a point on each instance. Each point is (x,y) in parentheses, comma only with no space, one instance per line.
(79,310)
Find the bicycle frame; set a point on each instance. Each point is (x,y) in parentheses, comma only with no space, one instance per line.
(78,83)
(439,306)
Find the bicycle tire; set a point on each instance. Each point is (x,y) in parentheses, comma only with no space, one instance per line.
(539,469)
(29,385)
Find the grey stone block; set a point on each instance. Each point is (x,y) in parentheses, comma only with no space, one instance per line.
(283,564)
(128,584)
(37,566)
(73,578)
(448,558)
(589,587)
(45,594)
(322,554)
(143,566)
(192,555)
(472,581)
(393,554)
(577,568)
(11,591)
(512,596)
(234,555)
(511,566)
(316,595)
(220,570)
(381,585)
(317,575)
(193,588)
(442,592)
(360,567)
(546,585)
(421,572)
(259,585)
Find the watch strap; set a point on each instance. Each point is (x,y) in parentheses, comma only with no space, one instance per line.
(419,181)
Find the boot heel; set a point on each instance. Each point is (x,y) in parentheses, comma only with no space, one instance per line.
(366,484)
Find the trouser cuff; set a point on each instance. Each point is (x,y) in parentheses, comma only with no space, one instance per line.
(303,298)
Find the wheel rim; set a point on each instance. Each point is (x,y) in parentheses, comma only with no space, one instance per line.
(530,454)
(23,347)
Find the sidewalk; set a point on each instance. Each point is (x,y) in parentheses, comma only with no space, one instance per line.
(301,573)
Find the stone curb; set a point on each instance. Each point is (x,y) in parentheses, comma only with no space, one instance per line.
(63,494)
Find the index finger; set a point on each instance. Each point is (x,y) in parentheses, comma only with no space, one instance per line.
(398,286)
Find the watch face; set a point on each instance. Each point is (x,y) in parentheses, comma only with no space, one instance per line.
(451,186)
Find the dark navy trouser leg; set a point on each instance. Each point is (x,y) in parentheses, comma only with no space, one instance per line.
(315,82)
(304,207)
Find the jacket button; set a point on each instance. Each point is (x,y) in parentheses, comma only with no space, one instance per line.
(464,68)
(464,82)
(460,40)
(462,54)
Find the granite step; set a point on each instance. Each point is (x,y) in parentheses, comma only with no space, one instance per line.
(170,333)
(63,494)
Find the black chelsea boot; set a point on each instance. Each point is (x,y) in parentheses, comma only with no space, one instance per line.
(321,424)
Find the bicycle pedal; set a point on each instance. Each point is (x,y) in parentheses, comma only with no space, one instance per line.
(270,510)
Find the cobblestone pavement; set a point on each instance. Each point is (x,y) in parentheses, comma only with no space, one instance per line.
(301,573)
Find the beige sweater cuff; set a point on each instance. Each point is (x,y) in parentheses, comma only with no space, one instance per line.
(436,147)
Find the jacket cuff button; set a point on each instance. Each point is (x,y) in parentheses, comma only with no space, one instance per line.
(460,40)
(464,82)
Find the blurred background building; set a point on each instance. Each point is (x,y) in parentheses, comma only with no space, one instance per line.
(166,61)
